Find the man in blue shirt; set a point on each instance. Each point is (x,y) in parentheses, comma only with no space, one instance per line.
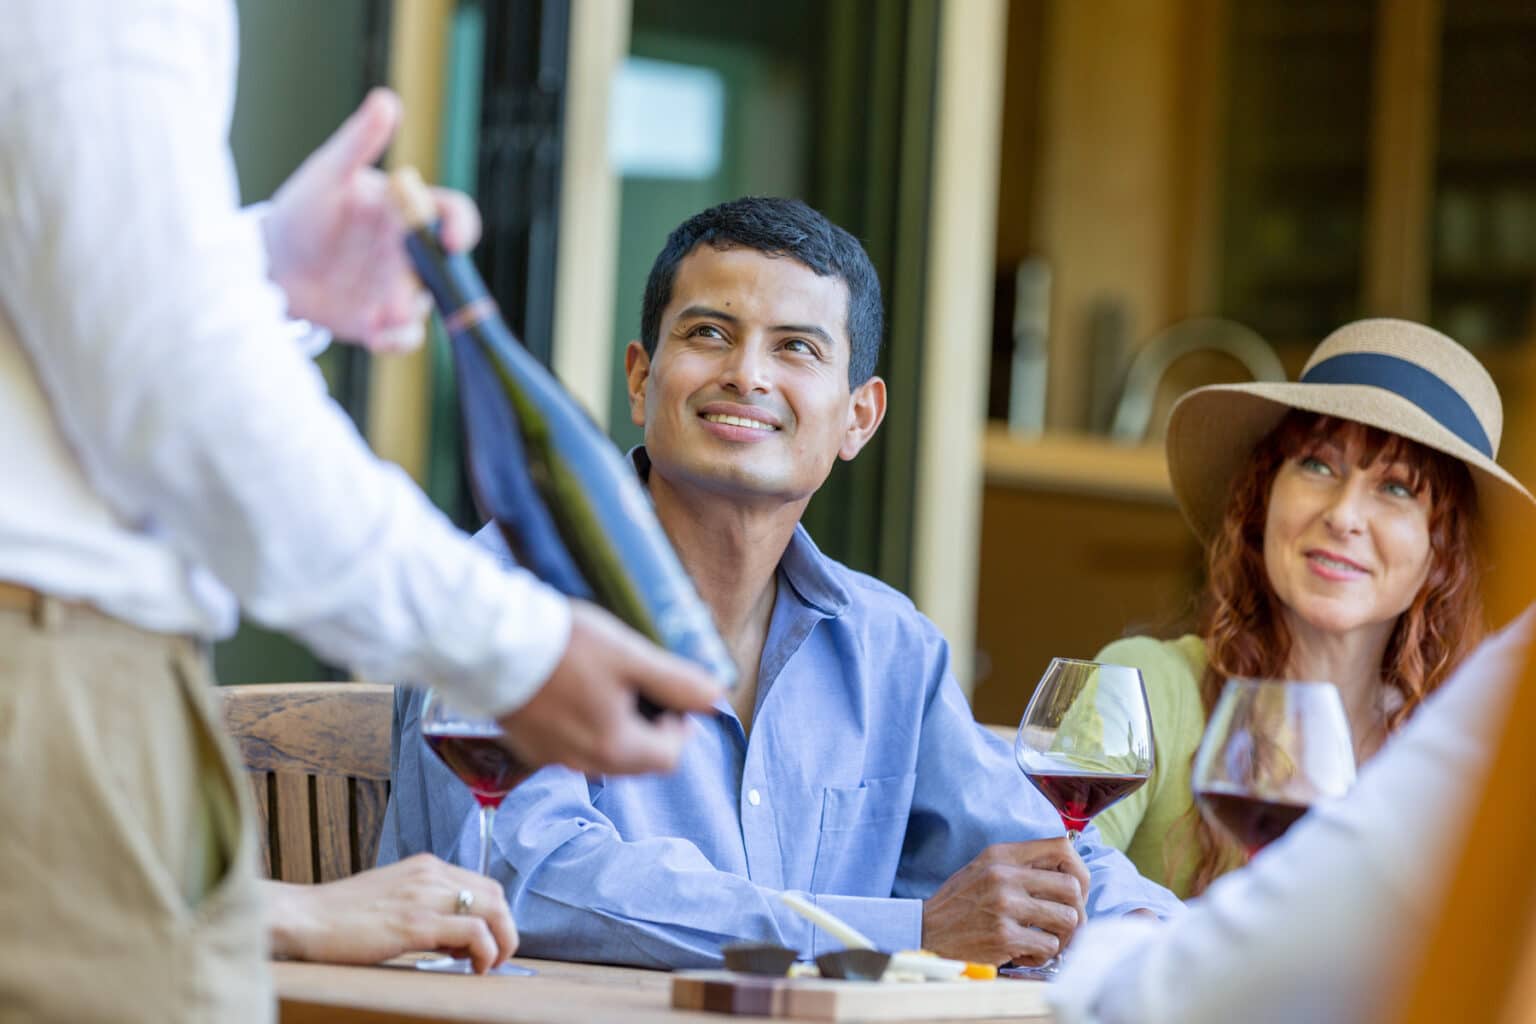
(846,765)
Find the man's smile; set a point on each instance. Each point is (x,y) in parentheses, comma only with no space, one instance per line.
(732,421)
(739,421)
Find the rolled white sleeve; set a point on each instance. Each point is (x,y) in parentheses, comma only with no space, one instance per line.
(140,294)
(1310,930)
(310,338)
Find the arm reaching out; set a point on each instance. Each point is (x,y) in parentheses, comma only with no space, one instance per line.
(410,905)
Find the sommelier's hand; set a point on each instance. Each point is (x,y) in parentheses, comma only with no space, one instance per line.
(401,908)
(585,716)
(1016,902)
(335,241)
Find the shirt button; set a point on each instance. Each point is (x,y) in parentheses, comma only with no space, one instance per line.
(754,797)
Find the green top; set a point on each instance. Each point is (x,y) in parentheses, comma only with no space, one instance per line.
(1154,826)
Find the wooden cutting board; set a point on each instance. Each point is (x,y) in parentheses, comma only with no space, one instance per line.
(825,999)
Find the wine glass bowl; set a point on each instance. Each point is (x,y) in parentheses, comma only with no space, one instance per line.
(1270,751)
(473,748)
(1086,738)
(477,756)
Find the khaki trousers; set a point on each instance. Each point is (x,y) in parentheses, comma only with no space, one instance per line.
(128,887)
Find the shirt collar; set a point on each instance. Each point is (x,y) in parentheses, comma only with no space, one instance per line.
(803,565)
(811,575)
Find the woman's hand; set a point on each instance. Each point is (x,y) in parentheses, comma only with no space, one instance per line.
(372,916)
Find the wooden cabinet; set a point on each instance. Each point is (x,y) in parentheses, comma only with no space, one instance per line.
(1080,542)
(1290,164)
(1482,242)
(1297,152)
(1379,158)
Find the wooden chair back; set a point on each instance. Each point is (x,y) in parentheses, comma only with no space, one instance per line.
(317,755)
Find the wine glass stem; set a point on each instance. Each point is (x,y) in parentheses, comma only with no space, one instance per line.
(1051,966)
(487,819)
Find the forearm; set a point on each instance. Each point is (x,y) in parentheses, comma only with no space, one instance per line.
(892,923)
(287,918)
(1236,951)
(581,889)
(318,538)
(310,338)
(971,795)
(660,903)
(1117,888)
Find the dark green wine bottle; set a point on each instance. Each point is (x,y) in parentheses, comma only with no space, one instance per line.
(568,503)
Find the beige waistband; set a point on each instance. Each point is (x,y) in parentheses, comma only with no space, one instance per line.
(44,609)
(17,598)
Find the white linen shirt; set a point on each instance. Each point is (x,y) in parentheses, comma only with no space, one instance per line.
(166,450)
(1310,930)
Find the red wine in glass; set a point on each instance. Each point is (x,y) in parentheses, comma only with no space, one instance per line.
(480,761)
(1270,751)
(1079,796)
(1085,741)
(473,749)
(1253,822)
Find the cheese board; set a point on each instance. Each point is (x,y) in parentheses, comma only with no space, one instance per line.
(825,999)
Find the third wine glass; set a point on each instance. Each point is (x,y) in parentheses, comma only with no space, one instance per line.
(1270,751)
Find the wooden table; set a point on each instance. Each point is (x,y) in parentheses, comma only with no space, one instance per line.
(328,994)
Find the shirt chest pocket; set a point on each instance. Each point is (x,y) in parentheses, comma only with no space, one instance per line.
(862,831)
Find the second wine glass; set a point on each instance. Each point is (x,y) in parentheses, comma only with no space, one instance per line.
(1085,742)
(1086,738)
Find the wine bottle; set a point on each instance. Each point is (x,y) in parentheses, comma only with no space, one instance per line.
(568,503)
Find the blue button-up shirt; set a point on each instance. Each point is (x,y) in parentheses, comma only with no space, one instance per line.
(865,784)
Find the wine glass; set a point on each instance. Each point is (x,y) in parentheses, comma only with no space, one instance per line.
(1270,751)
(1085,742)
(473,748)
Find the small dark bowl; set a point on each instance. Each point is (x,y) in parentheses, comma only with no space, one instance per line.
(854,964)
(759,958)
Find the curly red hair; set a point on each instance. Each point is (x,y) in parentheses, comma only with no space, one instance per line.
(1240,616)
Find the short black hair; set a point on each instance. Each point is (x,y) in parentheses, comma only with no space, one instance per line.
(776,227)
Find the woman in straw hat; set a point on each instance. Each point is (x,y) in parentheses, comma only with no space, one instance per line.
(1340,516)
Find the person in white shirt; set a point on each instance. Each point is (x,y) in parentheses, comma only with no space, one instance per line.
(168,455)
(1309,930)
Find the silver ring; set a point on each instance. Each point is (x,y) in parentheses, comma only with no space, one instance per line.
(466,899)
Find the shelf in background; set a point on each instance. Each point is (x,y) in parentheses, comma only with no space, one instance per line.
(1510,16)
(1077,464)
(1299,21)
(1482,278)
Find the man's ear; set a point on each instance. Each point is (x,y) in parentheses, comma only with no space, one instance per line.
(865,414)
(637,370)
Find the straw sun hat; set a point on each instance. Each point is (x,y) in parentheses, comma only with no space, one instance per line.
(1399,376)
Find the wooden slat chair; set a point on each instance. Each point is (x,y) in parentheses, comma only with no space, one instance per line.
(318,759)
